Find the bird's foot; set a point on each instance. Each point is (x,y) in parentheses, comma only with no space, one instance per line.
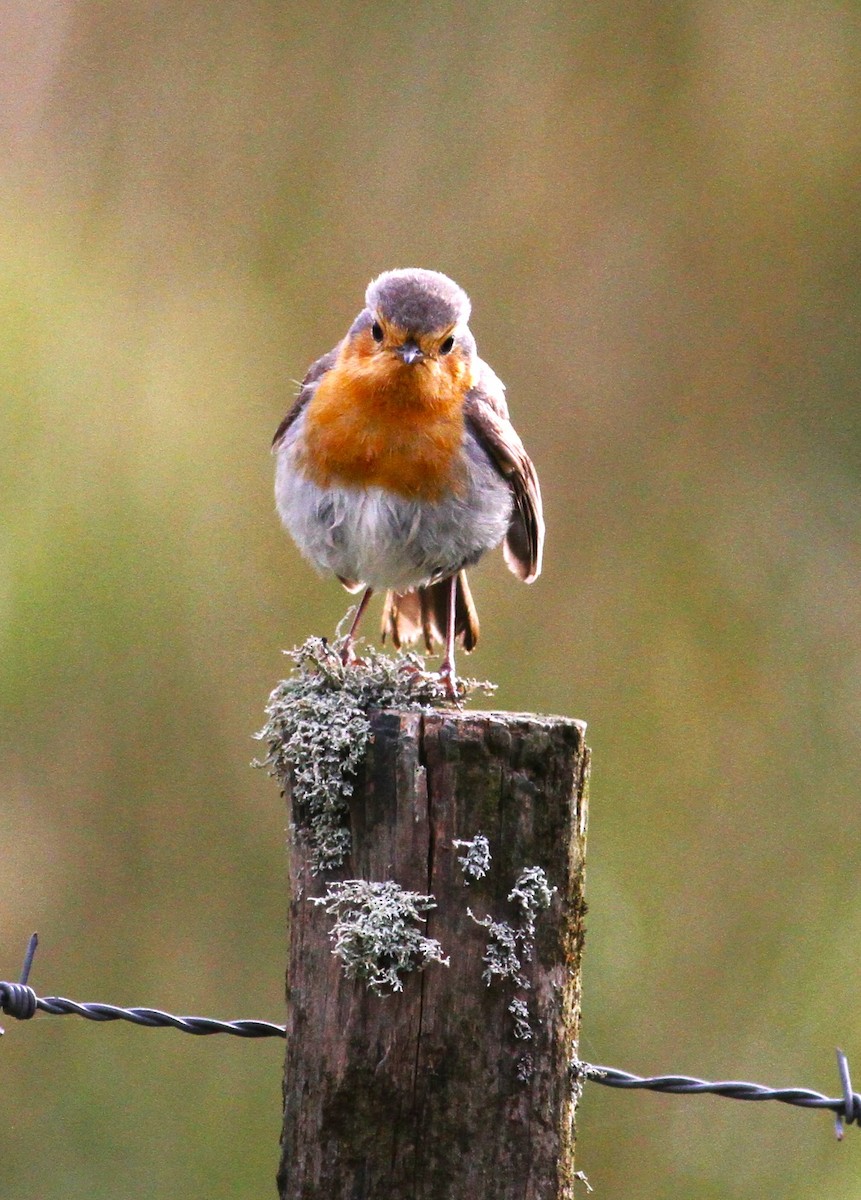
(349,657)
(449,679)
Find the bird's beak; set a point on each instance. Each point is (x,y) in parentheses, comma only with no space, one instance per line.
(410,352)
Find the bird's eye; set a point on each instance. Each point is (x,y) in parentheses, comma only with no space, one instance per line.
(447,346)
(377,332)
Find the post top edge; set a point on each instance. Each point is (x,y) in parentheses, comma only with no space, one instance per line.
(501,716)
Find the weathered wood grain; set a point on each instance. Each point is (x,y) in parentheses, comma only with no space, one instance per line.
(427,1094)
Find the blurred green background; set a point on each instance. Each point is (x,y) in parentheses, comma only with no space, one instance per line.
(656,210)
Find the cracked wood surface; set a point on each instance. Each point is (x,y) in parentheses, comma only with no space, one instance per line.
(420,1095)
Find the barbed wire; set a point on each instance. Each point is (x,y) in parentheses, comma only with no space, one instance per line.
(19,1000)
(847,1107)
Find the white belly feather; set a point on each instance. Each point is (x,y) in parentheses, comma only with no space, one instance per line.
(372,536)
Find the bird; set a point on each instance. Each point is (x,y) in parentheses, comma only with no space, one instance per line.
(398,467)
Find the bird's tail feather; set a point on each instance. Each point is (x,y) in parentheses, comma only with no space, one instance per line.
(422,613)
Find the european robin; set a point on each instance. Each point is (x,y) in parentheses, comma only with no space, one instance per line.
(398,466)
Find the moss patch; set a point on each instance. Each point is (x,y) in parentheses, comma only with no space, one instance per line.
(318,729)
(378,932)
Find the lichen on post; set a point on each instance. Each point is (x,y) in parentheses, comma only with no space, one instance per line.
(468,828)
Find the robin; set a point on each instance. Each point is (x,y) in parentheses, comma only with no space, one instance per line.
(398,467)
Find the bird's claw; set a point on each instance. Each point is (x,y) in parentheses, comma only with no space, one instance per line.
(449,680)
(349,657)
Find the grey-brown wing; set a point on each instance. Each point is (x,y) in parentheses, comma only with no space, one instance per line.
(487,416)
(309,385)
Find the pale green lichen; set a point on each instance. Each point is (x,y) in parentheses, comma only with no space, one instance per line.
(318,729)
(511,945)
(519,1009)
(525,1068)
(378,932)
(475,863)
(502,957)
(531,893)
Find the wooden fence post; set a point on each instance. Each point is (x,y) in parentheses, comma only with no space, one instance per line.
(452,1088)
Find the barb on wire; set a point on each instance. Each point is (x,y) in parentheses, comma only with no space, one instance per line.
(847,1107)
(20,1001)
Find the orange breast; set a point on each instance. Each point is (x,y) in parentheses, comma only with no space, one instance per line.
(375,421)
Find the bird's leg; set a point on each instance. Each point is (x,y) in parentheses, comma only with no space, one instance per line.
(347,653)
(446,671)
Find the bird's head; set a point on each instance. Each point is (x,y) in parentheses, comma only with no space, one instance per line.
(413,318)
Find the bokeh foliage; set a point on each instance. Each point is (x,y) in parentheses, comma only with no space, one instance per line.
(656,210)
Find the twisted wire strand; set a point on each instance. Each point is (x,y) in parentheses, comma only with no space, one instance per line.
(155,1018)
(847,1107)
(20,1001)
